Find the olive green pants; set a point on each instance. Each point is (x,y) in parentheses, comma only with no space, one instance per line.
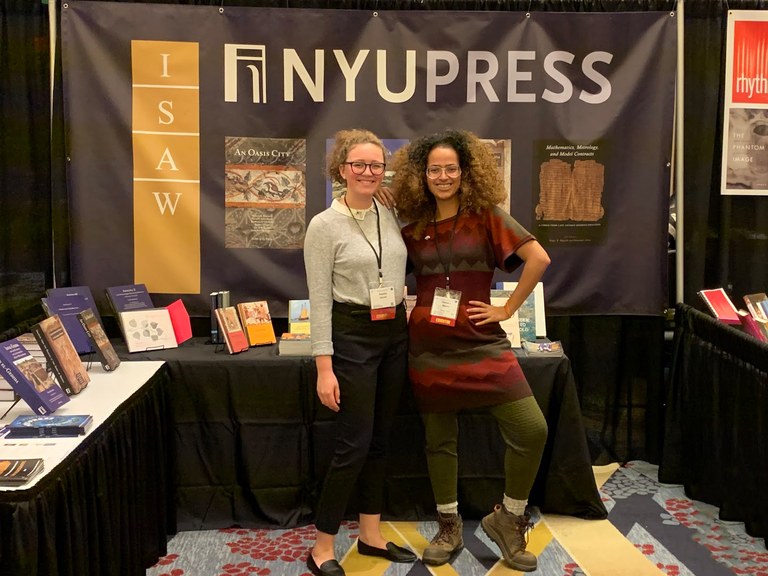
(523,429)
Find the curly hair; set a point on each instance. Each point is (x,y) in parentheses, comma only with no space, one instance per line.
(345,140)
(481,184)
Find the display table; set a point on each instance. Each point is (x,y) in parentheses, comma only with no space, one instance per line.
(102,505)
(716,434)
(252,443)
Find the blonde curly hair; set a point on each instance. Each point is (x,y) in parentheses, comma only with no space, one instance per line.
(481,184)
(345,140)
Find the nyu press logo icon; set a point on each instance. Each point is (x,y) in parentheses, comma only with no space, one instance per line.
(255,57)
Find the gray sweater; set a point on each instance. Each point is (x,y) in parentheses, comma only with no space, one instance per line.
(340,264)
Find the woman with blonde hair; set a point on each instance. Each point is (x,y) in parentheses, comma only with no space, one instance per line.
(355,262)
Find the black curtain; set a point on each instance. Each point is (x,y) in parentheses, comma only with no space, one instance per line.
(619,361)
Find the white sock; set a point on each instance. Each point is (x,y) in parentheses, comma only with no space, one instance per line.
(517,507)
(452,508)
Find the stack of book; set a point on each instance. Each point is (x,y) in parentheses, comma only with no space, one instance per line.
(297,342)
(753,320)
(15,471)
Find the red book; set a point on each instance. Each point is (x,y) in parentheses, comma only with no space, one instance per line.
(182,326)
(751,326)
(720,305)
(229,324)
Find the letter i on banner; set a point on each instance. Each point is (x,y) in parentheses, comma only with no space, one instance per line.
(166,166)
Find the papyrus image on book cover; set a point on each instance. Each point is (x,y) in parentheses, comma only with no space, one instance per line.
(265,192)
(569,188)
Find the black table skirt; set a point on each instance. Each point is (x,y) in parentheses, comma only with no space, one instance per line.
(716,433)
(106,509)
(252,443)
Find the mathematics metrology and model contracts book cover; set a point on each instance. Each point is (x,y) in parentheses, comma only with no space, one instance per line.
(569,184)
(265,192)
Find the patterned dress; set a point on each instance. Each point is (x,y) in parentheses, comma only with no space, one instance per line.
(464,366)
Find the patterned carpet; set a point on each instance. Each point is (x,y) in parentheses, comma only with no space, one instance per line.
(652,529)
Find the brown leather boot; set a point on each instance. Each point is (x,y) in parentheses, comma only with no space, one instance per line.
(509,532)
(446,542)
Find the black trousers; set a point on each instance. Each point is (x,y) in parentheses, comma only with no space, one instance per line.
(370,361)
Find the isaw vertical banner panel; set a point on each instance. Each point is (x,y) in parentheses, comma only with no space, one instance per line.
(166,165)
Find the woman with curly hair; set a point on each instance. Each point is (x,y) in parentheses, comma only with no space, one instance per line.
(355,262)
(448,186)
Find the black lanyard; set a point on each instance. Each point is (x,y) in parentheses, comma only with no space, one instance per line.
(446,266)
(378,230)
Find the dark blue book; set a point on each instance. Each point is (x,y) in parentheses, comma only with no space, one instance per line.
(34,426)
(129,297)
(67,308)
(83,291)
(29,379)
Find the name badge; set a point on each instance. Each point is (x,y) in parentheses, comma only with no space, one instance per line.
(445,307)
(382,301)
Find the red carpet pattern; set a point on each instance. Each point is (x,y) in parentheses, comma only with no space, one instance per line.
(652,528)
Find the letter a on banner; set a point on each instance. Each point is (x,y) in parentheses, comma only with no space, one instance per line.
(166,166)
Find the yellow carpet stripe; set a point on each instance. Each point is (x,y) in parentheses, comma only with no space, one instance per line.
(599,548)
(596,545)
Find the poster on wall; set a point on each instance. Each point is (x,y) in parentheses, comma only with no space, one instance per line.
(197,138)
(745,110)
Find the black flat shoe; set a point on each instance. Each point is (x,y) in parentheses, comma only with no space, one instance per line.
(393,552)
(327,568)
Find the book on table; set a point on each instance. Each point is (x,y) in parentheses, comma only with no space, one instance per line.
(532,313)
(257,322)
(82,291)
(720,305)
(50,425)
(511,325)
(105,352)
(754,327)
(29,379)
(126,298)
(182,326)
(295,344)
(757,305)
(63,360)
(67,307)
(147,329)
(543,348)
(230,327)
(18,471)
(298,317)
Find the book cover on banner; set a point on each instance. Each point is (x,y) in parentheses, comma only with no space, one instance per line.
(34,426)
(30,380)
(720,305)
(264,192)
(105,352)
(17,471)
(63,359)
(298,317)
(257,322)
(67,308)
(229,324)
(81,291)
(182,326)
(148,329)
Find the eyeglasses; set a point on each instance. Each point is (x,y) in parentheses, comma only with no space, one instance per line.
(377,168)
(434,172)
